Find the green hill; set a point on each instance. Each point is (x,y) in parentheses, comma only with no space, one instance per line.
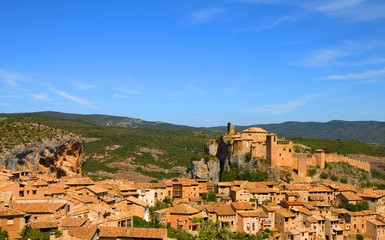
(154,150)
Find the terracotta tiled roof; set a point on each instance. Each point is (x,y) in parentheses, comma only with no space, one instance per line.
(78,181)
(84,233)
(96,189)
(224,210)
(376,222)
(241,206)
(371,195)
(158,185)
(137,201)
(136,233)
(259,214)
(294,203)
(225,184)
(312,220)
(44,225)
(284,213)
(183,209)
(73,222)
(316,198)
(56,189)
(255,130)
(38,207)
(10,212)
(351,196)
(200,215)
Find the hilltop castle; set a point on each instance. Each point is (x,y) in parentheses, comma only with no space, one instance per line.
(280,153)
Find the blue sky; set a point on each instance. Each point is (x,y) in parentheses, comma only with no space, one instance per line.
(197,63)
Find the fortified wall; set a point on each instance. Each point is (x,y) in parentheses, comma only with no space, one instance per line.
(332,157)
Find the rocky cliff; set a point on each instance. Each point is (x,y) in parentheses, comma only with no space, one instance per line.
(206,170)
(51,157)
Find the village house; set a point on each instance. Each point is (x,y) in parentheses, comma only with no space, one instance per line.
(376,229)
(251,222)
(285,220)
(12,221)
(238,194)
(181,216)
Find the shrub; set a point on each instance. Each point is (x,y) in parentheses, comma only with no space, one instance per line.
(359,237)
(334,178)
(324,175)
(311,172)
(343,180)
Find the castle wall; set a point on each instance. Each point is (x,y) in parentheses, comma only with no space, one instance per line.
(333,157)
(258,150)
(314,160)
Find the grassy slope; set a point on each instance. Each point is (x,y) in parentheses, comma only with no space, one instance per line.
(177,146)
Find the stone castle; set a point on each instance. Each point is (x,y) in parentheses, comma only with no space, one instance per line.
(259,143)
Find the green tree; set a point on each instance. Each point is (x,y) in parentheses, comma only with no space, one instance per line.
(141,223)
(31,233)
(211,197)
(359,237)
(229,175)
(179,234)
(3,234)
(210,230)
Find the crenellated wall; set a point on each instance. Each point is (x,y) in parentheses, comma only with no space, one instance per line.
(333,157)
(311,160)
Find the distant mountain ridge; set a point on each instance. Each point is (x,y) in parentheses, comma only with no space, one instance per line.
(372,132)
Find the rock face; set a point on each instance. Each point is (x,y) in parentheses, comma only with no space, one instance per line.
(53,158)
(206,170)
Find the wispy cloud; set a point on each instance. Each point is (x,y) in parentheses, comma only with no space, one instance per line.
(40,96)
(265,26)
(11,78)
(204,15)
(355,76)
(352,10)
(86,86)
(279,109)
(340,55)
(73,98)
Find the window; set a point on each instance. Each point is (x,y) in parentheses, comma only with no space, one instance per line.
(21,193)
(9,221)
(34,192)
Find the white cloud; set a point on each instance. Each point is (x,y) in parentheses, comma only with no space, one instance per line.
(86,86)
(356,76)
(204,15)
(279,109)
(40,96)
(337,56)
(75,99)
(266,26)
(352,10)
(10,78)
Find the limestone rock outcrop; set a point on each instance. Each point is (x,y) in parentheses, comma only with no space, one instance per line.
(206,170)
(53,158)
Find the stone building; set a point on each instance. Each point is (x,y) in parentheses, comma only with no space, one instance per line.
(259,143)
